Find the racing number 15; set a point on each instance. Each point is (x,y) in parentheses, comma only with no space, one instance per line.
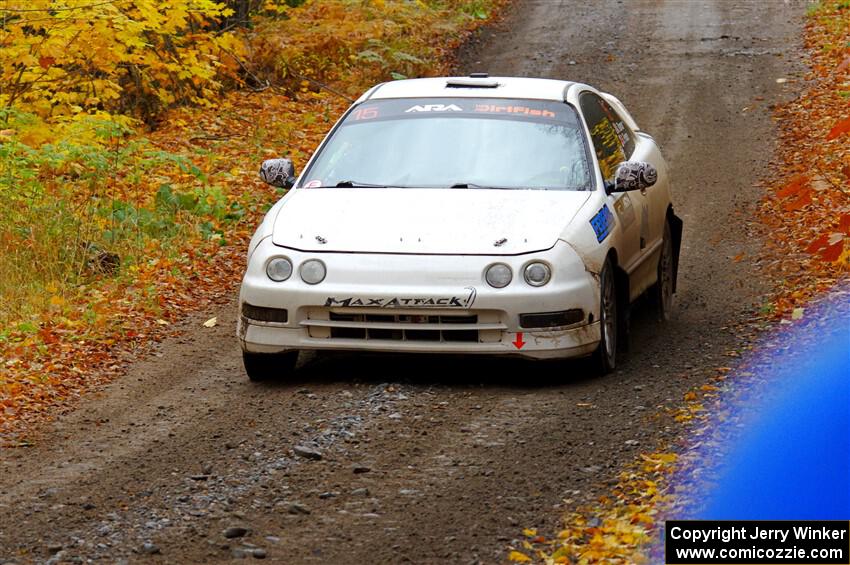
(365,113)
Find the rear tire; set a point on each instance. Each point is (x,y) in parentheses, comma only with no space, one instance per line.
(605,356)
(269,366)
(661,292)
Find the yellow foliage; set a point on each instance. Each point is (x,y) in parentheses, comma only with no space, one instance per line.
(60,58)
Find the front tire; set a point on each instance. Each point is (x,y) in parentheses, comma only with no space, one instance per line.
(662,291)
(605,356)
(269,366)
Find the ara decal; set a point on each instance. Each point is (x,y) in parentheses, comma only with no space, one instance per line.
(602,223)
(434,108)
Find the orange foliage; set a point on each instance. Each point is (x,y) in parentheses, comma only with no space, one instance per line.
(808,211)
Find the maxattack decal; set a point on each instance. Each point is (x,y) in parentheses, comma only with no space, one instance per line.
(398,302)
(602,223)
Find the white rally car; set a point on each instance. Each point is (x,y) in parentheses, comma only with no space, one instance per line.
(499,216)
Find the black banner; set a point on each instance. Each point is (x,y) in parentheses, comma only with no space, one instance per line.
(540,111)
(695,542)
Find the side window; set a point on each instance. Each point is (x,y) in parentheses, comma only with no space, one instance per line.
(606,141)
(626,135)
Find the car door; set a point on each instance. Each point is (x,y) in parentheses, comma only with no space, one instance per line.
(654,201)
(656,197)
(613,143)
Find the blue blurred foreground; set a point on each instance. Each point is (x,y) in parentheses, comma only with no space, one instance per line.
(793,461)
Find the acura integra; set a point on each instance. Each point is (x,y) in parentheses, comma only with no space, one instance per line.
(470,215)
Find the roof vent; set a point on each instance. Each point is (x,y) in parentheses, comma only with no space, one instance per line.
(472,82)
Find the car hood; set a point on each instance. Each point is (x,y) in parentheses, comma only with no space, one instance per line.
(431,221)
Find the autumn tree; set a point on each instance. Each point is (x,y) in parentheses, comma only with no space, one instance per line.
(65,57)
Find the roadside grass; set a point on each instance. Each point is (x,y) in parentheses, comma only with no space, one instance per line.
(805,219)
(112,230)
(76,209)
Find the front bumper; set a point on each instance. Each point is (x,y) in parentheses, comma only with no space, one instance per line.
(419,304)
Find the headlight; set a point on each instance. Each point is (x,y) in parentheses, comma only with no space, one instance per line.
(498,275)
(537,274)
(279,269)
(313,271)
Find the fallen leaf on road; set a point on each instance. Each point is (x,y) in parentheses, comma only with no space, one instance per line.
(818,244)
(518,557)
(662,458)
(844,221)
(804,199)
(833,252)
(794,185)
(841,127)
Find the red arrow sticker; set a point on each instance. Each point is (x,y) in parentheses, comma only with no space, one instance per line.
(518,342)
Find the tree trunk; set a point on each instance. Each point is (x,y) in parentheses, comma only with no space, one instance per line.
(241,16)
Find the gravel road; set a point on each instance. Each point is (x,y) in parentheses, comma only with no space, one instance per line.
(379,460)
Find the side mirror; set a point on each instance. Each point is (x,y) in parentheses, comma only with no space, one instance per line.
(633,175)
(278,172)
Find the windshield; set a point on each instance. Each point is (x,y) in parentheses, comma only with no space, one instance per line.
(454,143)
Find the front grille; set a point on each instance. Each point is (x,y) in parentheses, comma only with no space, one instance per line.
(404,327)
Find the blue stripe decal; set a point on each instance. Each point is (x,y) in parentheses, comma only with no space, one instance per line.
(602,223)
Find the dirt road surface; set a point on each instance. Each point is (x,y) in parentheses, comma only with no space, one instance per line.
(436,459)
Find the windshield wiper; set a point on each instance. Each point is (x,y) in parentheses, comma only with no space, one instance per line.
(356,184)
(473,185)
